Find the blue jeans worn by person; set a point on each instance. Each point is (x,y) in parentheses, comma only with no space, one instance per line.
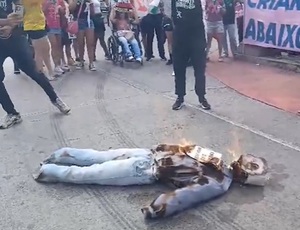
(135,47)
(230,30)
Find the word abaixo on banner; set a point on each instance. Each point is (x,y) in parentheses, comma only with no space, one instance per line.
(273,23)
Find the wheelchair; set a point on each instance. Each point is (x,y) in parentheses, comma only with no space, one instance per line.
(116,50)
(115,47)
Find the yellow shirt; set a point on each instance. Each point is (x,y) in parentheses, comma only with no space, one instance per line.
(34,18)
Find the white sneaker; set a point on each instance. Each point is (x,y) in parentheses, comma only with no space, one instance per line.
(92,67)
(61,106)
(130,58)
(65,68)
(52,78)
(58,71)
(79,65)
(173,73)
(139,60)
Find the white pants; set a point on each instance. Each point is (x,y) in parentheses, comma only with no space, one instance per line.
(86,166)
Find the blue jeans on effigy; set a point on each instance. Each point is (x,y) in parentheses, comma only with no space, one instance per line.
(118,167)
(134,44)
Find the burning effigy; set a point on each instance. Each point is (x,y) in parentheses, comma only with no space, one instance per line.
(199,174)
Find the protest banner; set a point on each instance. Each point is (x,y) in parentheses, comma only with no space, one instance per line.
(272,24)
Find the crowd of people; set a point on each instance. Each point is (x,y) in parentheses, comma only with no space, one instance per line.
(46,37)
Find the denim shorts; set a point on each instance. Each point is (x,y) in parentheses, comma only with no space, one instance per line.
(55,31)
(83,24)
(214,27)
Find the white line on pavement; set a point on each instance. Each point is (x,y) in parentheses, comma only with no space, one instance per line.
(242,126)
(220,117)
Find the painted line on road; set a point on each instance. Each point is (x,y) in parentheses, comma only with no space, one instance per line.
(147,89)
(242,126)
(81,105)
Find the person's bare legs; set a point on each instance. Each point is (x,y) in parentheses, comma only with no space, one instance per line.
(38,55)
(90,44)
(80,43)
(60,52)
(208,46)
(42,54)
(55,49)
(75,48)
(220,37)
(69,54)
(46,56)
(63,58)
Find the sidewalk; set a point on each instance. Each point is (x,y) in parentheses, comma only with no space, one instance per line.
(275,87)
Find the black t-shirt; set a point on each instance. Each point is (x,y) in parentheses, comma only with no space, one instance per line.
(6,8)
(187,14)
(82,14)
(229,16)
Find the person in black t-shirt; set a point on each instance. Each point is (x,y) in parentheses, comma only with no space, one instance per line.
(189,42)
(14,44)
(229,28)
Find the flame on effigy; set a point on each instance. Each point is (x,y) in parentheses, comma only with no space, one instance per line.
(184,142)
(235,150)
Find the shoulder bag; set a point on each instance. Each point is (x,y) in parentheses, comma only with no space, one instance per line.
(73,27)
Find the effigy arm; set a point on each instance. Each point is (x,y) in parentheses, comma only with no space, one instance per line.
(183,198)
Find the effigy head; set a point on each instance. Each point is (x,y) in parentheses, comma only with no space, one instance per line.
(249,169)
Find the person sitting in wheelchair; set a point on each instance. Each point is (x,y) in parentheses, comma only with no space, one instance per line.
(121,20)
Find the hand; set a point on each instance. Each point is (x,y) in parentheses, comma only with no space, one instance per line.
(14,19)
(5,31)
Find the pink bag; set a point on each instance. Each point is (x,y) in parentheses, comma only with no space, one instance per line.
(73,27)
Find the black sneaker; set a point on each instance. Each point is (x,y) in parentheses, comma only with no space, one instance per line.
(204,104)
(178,104)
(169,62)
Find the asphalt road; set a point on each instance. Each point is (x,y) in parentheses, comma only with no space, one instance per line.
(129,107)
